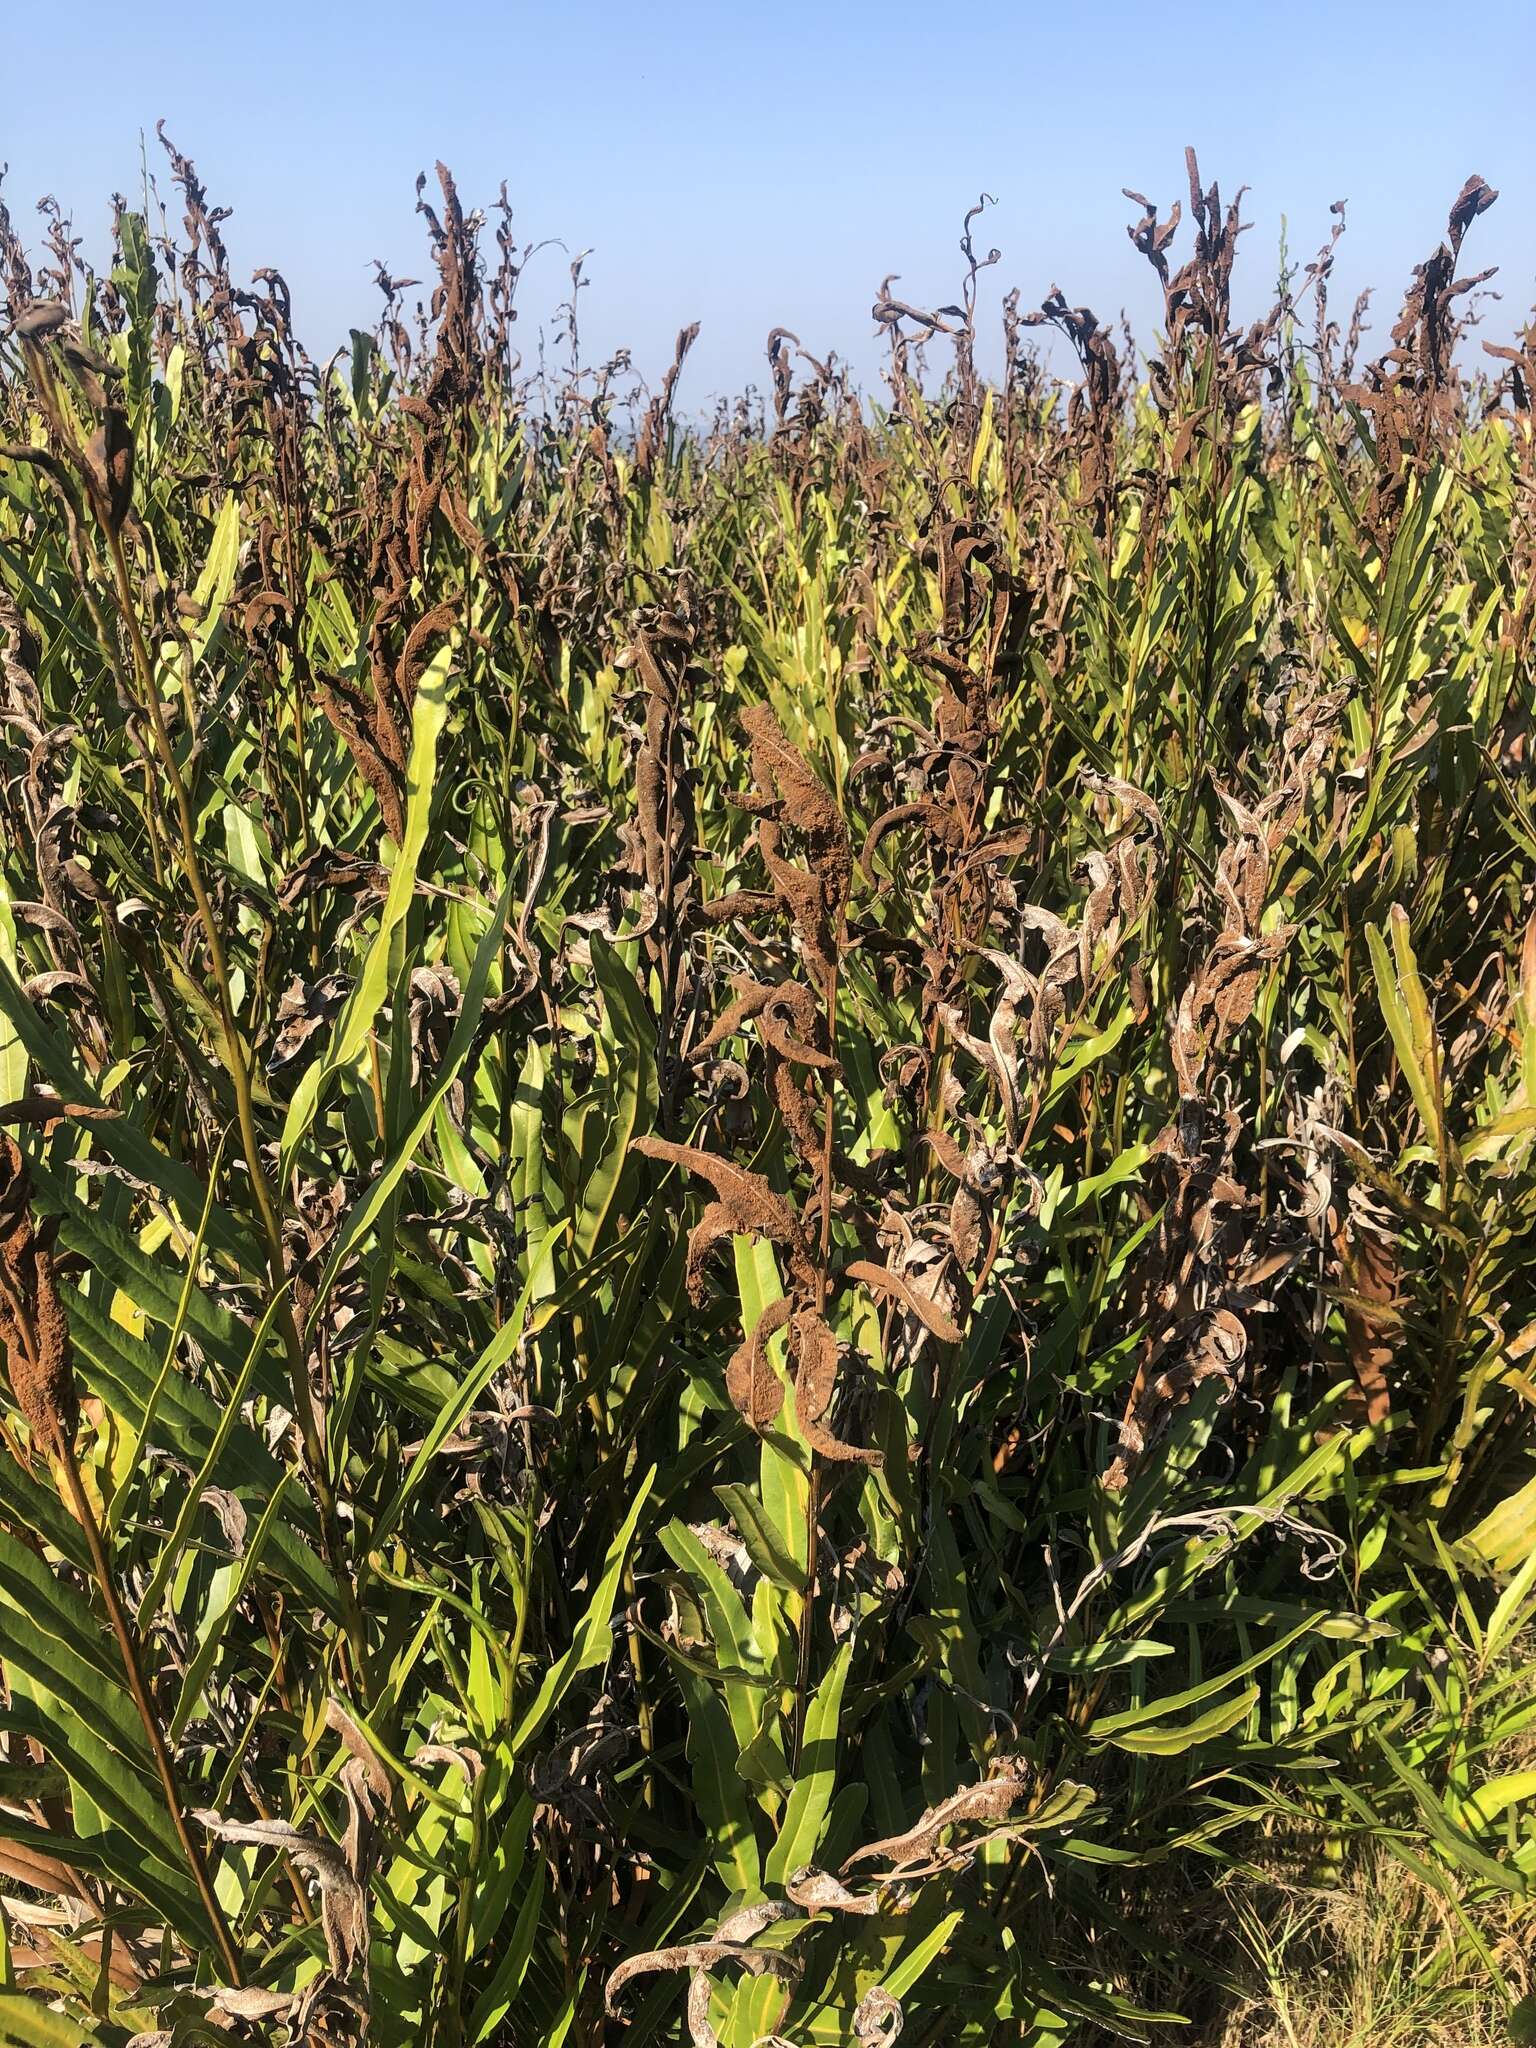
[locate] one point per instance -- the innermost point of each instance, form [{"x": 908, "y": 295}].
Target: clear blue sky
[{"x": 746, "y": 165}]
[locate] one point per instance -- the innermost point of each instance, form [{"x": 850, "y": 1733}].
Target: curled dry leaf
[
  {"x": 47, "y": 988},
  {"x": 881, "y": 1280},
  {"x": 755, "y": 1389},
  {"x": 818, "y": 1891},
  {"x": 557, "y": 1771},
  {"x": 41, "y": 1106},
  {"x": 791, "y": 793},
  {"x": 32, "y": 1322},
  {"x": 1218, "y": 1000},
  {"x": 940, "y": 828},
  {"x": 374, "y": 1770},
  {"x": 249, "y": 2002},
  {"x": 1371, "y": 1269},
  {"x": 1216, "y": 1352},
  {"x": 343, "y": 1903},
  {"x": 1132, "y": 799},
  {"x": 745, "y": 1205},
  {"x": 746, "y": 1004},
  {"x": 304, "y": 1010},
  {"x": 730, "y": 1944},
  {"x": 789, "y": 1021},
  {"x": 814, "y": 1351},
  {"x": 434, "y": 1004},
  {"x": 327, "y": 2011},
  {"x": 990, "y": 1801},
  {"x": 39, "y": 320},
  {"x": 878, "y": 2018},
  {"x": 460, "y": 1755},
  {"x": 232, "y": 1517},
  {"x": 698, "y": 1955}
]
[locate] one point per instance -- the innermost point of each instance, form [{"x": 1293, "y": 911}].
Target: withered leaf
[
  {"x": 878, "y": 2018},
  {"x": 819, "y": 1891},
  {"x": 343, "y": 1903},
  {"x": 814, "y": 1349},
  {"x": 992, "y": 1800},
  {"x": 746, "y": 1205},
  {"x": 755, "y": 1388},
  {"x": 881, "y": 1280},
  {"x": 703, "y": 1956}
]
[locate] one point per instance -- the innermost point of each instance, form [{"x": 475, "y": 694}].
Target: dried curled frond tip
[
  {"x": 731, "y": 1943},
  {"x": 878, "y": 2018},
  {"x": 32, "y": 1320},
  {"x": 818, "y": 1891},
  {"x": 791, "y": 793},
  {"x": 745, "y": 1205},
  {"x": 991, "y": 1801}
]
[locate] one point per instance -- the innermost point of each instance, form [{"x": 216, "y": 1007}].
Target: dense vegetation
[{"x": 766, "y": 1192}]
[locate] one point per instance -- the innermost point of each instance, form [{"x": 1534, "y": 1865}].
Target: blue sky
[{"x": 751, "y": 165}]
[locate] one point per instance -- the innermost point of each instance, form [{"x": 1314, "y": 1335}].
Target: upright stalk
[
  {"x": 165, "y": 1767},
  {"x": 240, "y": 1078}
]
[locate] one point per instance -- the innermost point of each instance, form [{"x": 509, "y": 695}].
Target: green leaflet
[
  {"x": 1085, "y": 1657},
  {"x": 46, "y": 1626},
  {"x": 193, "y": 1261},
  {"x": 1087, "y": 1053},
  {"x": 1506, "y": 1536},
  {"x": 1163, "y": 1738},
  {"x": 783, "y": 1459},
  {"x": 761, "y": 1538},
  {"x": 27, "y": 1502},
  {"x": 1494, "y": 1797},
  {"x": 388, "y": 1178},
  {"x": 212, "y": 1628},
  {"x": 628, "y": 1042},
  {"x": 1512, "y": 1613},
  {"x": 886, "y": 1950},
  {"x": 914, "y": 1963},
  {"x": 718, "y": 1789},
  {"x": 24, "y": 2023},
  {"x": 1462, "y": 1850},
  {"x": 84, "y": 1720},
  {"x": 1400, "y": 992},
  {"x": 805, "y": 1812},
  {"x": 130, "y": 1831},
  {"x": 591, "y": 1643},
  {"x": 125, "y": 1373},
  {"x": 495, "y": 1355},
  {"x": 729, "y": 1625},
  {"x": 156, "y": 1286},
  {"x": 495, "y": 2001},
  {"x": 171, "y": 1551},
  {"x": 13, "y": 1051},
  {"x": 1112, "y": 1725},
  {"x": 381, "y": 964},
  {"x": 210, "y": 594},
  {"x": 114, "y": 1137},
  {"x": 527, "y": 1139}
]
